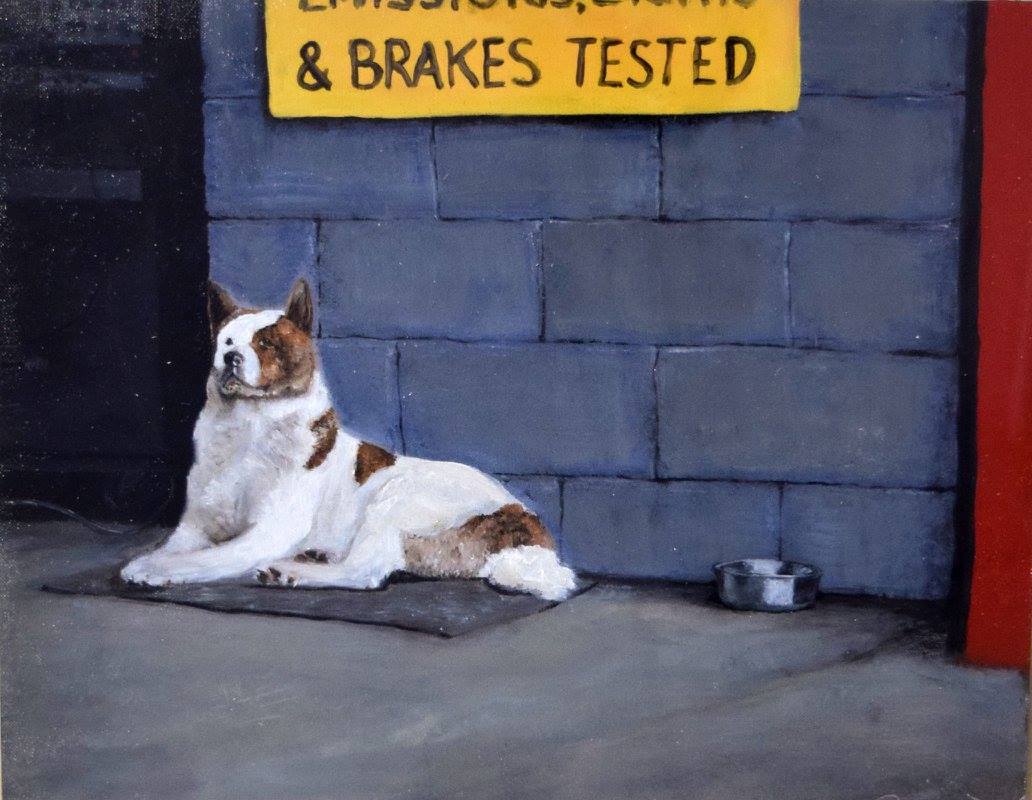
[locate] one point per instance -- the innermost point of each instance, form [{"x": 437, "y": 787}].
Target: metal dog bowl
[{"x": 767, "y": 584}]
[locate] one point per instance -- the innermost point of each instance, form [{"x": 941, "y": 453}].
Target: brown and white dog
[{"x": 279, "y": 491}]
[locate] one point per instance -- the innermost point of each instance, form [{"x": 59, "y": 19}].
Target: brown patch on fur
[
  {"x": 461, "y": 552},
  {"x": 325, "y": 430},
  {"x": 286, "y": 358},
  {"x": 370, "y": 459}
]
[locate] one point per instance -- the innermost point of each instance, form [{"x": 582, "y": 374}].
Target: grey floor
[{"x": 622, "y": 693}]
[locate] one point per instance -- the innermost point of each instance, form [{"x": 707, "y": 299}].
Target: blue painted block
[
  {"x": 459, "y": 280},
  {"x": 875, "y": 287},
  {"x": 233, "y": 46},
  {"x": 836, "y": 158},
  {"x": 542, "y": 496},
  {"x": 666, "y": 530},
  {"x": 535, "y": 408},
  {"x": 895, "y": 543},
  {"x": 258, "y": 166},
  {"x": 258, "y": 260},
  {"x": 693, "y": 283},
  {"x": 363, "y": 379},
  {"x": 775, "y": 414},
  {"x": 522, "y": 169},
  {"x": 880, "y": 47}
]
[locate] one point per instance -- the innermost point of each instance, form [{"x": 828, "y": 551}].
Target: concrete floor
[{"x": 622, "y": 693}]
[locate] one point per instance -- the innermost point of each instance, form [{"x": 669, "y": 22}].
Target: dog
[{"x": 282, "y": 494}]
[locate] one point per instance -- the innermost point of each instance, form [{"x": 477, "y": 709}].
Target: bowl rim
[{"x": 734, "y": 568}]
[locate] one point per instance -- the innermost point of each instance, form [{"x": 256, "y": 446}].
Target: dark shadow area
[
  {"x": 103, "y": 254},
  {"x": 967, "y": 335}
]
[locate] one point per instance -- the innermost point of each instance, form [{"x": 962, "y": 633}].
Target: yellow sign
[{"x": 435, "y": 58}]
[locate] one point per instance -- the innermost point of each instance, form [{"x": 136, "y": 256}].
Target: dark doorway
[{"x": 104, "y": 252}]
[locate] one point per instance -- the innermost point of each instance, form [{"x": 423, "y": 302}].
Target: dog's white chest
[{"x": 241, "y": 458}]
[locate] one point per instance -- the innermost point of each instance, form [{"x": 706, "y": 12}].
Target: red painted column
[{"x": 1001, "y": 590}]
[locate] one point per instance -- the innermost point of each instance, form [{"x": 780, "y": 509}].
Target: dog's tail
[{"x": 532, "y": 569}]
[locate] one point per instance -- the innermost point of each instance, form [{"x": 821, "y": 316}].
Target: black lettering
[
  {"x": 514, "y": 53},
  {"x": 392, "y": 64},
  {"x": 490, "y": 61},
  {"x": 305, "y": 5},
  {"x": 426, "y": 64},
  {"x": 698, "y": 62},
  {"x": 431, "y": 3},
  {"x": 670, "y": 43},
  {"x": 310, "y": 76},
  {"x": 607, "y": 62},
  {"x": 733, "y": 76},
  {"x": 645, "y": 65},
  {"x": 368, "y": 61},
  {"x": 582, "y": 45},
  {"x": 400, "y": 5},
  {"x": 457, "y": 58}
]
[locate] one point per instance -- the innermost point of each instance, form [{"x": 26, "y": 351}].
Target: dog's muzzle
[{"x": 230, "y": 377}]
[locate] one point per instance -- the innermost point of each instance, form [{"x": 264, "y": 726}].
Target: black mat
[{"x": 443, "y": 608}]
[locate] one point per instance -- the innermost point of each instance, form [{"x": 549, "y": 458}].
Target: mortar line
[
  {"x": 654, "y": 432},
  {"x": 562, "y": 505},
  {"x": 539, "y": 272},
  {"x": 397, "y": 389},
  {"x": 758, "y": 482},
  {"x": 662, "y": 170},
  {"x": 318, "y": 273},
  {"x": 885, "y": 222},
  {"x": 434, "y": 180},
  {"x": 624, "y": 345},
  {"x": 787, "y": 278},
  {"x": 781, "y": 521}
]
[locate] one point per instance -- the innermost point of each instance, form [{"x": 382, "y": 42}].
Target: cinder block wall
[{"x": 684, "y": 339}]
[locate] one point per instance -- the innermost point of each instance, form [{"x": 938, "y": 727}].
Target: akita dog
[{"x": 281, "y": 493}]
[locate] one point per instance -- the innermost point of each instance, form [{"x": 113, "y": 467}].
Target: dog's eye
[
  {"x": 263, "y": 343},
  {"x": 229, "y": 341}
]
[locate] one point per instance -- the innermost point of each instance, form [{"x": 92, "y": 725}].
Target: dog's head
[{"x": 261, "y": 353}]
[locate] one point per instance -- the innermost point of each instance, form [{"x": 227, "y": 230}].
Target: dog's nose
[{"x": 232, "y": 359}]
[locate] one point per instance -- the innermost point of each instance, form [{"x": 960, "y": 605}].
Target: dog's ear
[
  {"x": 221, "y": 306},
  {"x": 299, "y": 305}
]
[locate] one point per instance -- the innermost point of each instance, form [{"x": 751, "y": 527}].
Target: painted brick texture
[
  {"x": 256, "y": 166},
  {"x": 777, "y": 414},
  {"x": 463, "y": 280},
  {"x": 679, "y": 340},
  {"x": 674, "y": 530},
  {"x": 836, "y": 158},
  {"x": 257, "y": 260},
  {"x": 509, "y": 408},
  {"x": 657, "y": 283}
]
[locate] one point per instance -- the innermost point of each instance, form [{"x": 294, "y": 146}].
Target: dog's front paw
[
  {"x": 313, "y": 557},
  {"x": 275, "y": 576},
  {"x": 145, "y": 571}
]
